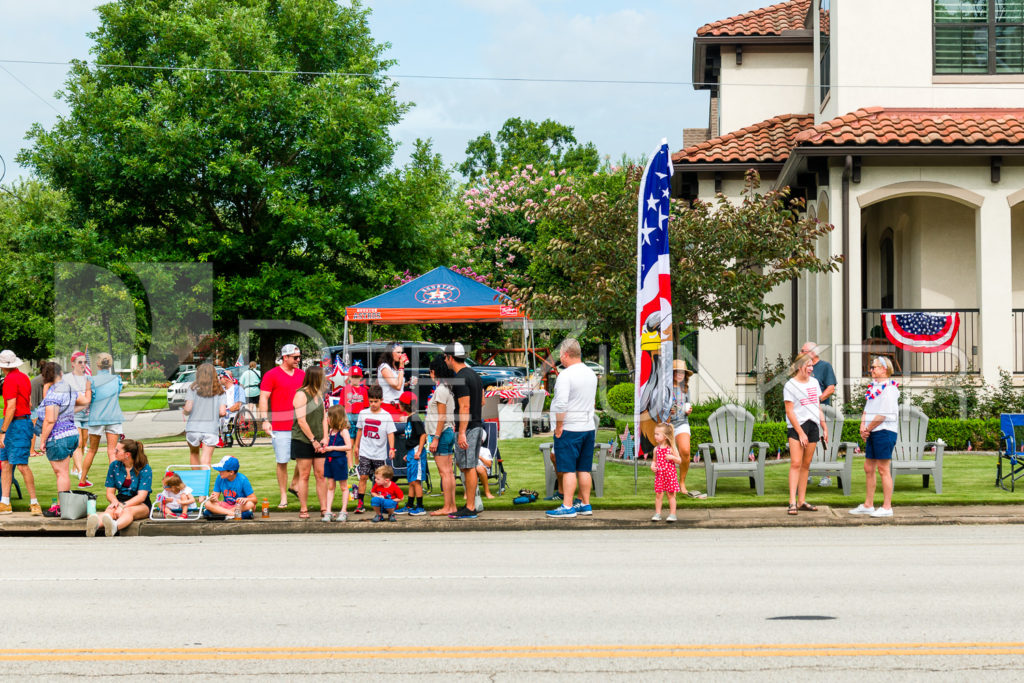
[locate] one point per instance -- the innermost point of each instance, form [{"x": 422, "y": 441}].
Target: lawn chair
[
  {"x": 601, "y": 453},
  {"x": 496, "y": 472},
  {"x": 198, "y": 481},
  {"x": 732, "y": 439},
  {"x": 536, "y": 419},
  {"x": 826, "y": 457},
  {"x": 911, "y": 448},
  {"x": 1009, "y": 423}
]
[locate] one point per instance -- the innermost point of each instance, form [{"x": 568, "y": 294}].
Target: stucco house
[{"x": 901, "y": 124}]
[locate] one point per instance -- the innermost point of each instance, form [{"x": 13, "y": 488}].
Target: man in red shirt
[
  {"x": 15, "y": 432},
  {"x": 277, "y": 391}
]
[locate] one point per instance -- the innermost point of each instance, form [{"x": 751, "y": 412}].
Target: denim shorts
[
  {"x": 17, "y": 442},
  {"x": 415, "y": 470},
  {"x": 61, "y": 449},
  {"x": 880, "y": 444},
  {"x": 574, "y": 451},
  {"x": 446, "y": 443},
  {"x": 385, "y": 504}
]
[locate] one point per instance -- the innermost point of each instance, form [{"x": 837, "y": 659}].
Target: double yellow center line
[{"x": 710, "y": 651}]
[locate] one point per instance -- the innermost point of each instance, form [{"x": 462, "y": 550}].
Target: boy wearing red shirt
[
  {"x": 385, "y": 494},
  {"x": 354, "y": 398}
]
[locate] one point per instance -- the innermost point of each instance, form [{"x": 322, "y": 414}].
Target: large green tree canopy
[
  {"x": 522, "y": 142},
  {"x": 249, "y": 134}
]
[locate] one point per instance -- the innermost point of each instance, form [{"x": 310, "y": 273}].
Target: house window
[
  {"x": 978, "y": 36},
  {"x": 825, "y": 57}
]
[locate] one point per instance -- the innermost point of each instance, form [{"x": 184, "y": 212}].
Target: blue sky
[{"x": 595, "y": 39}]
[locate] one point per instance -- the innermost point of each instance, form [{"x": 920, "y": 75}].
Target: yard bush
[
  {"x": 151, "y": 373},
  {"x": 620, "y": 398}
]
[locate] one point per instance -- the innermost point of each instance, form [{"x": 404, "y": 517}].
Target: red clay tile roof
[
  {"x": 766, "y": 142},
  {"x": 884, "y": 126},
  {"x": 767, "y": 21}
]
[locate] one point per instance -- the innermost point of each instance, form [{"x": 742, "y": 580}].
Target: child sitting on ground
[
  {"x": 483, "y": 464},
  {"x": 339, "y": 445},
  {"x": 415, "y": 455},
  {"x": 235, "y": 488},
  {"x": 385, "y": 494},
  {"x": 176, "y": 498}
]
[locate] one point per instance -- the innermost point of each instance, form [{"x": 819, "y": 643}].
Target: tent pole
[{"x": 344, "y": 345}]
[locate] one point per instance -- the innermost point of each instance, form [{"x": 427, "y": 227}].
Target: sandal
[
  {"x": 792, "y": 510},
  {"x": 807, "y": 507},
  {"x": 304, "y": 514},
  {"x": 697, "y": 494}
]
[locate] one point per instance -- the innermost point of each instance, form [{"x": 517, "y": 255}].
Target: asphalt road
[{"x": 880, "y": 603}]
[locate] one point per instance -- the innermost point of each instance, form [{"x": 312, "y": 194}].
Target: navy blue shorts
[
  {"x": 336, "y": 467},
  {"x": 17, "y": 442},
  {"x": 880, "y": 444},
  {"x": 574, "y": 451}
]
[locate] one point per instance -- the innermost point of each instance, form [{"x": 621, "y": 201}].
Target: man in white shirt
[{"x": 573, "y": 408}]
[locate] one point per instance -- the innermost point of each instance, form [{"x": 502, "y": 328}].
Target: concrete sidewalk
[{"x": 533, "y": 519}]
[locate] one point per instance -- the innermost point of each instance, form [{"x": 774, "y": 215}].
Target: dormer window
[{"x": 978, "y": 36}]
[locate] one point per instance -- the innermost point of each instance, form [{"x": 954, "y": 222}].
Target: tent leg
[{"x": 344, "y": 346}]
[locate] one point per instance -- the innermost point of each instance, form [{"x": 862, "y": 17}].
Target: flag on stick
[{"x": 653, "y": 393}]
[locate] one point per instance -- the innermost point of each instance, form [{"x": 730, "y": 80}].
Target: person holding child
[
  {"x": 805, "y": 424},
  {"x": 375, "y": 441},
  {"x": 235, "y": 488},
  {"x": 415, "y": 456},
  {"x": 176, "y": 498},
  {"x": 878, "y": 428},
  {"x": 385, "y": 494},
  {"x": 129, "y": 484},
  {"x": 339, "y": 445},
  {"x": 666, "y": 478},
  {"x": 308, "y": 429}
]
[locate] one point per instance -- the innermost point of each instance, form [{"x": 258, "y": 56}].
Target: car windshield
[{"x": 187, "y": 377}]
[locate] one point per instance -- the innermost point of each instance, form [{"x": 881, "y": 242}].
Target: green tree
[
  {"x": 263, "y": 175},
  {"x": 522, "y": 142}
]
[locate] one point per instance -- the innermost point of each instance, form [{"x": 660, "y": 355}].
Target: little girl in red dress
[{"x": 666, "y": 478}]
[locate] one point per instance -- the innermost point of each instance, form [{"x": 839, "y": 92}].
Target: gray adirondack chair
[
  {"x": 602, "y": 452},
  {"x": 732, "y": 438},
  {"x": 826, "y": 459},
  {"x": 912, "y": 454}
]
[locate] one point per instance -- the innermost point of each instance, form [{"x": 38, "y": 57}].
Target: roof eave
[{"x": 742, "y": 166}]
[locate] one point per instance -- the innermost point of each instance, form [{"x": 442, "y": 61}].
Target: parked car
[{"x": 420, "y": 356}]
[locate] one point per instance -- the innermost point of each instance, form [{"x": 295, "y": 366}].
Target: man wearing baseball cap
[
  {"x": 16, "y": 432},
  {"x": 469, "y": 426},
  {"x": 277, "y": 392},
  {"x": 234, "y": 487}
]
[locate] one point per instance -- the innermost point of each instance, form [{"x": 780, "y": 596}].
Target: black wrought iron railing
[
  {"x": 749, "y": 351},
  {"x": 960, "y": 356}
]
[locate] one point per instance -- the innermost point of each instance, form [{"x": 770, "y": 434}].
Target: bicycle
[{"x": 241, "y": 429}]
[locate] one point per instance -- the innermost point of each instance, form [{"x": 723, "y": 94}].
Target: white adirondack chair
[
  {"x": 732, "y": 438},
  {"x": 826, "y": 459},
  {"x": 912, "y": 454}
]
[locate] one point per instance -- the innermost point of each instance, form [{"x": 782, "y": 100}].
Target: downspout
[{"x": 847, "y": 171}]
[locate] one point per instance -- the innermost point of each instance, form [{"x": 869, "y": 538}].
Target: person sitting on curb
[
  {"x": 236, "y": 489},
  {"x": 129, "y": 483},
  {"x": 385, "y": 494}
]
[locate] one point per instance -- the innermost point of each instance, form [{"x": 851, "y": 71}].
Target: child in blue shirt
[{"x": 235, "y": 488}]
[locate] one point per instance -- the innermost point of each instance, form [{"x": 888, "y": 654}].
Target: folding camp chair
[
  {"x": 496, "y": 472},
  {"x": 1011, "y": 454},
  {"x": 198, "y": 481}
]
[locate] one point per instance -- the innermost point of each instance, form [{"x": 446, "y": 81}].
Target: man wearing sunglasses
[{"x": 277, "y": 391}]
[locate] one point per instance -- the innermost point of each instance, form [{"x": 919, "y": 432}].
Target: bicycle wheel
[{"x": 245, "y": 428}]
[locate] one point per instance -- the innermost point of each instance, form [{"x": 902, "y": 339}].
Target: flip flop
[
  {"x": 293, "y": 492},
  {"x": 697, "y": 494},
  {"x": 304, "y": 514},
  {"x": 283, "y": 506}
]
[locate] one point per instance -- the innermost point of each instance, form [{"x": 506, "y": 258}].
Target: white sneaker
[
  {"x": 341, "y": 517},
  {"x": 109, "y": 526},
  {"x": 862, "y": 510},
  {"x": 327, "y": 517},
  {"x": 656, "y": 518},
  {"x": 91, "y": 524},
  {"x": 75, "y": 473},
  {"x": 825, "y": 481},
  {"x": 670, "y": 518},
  {"x": 882, "y": 512}
]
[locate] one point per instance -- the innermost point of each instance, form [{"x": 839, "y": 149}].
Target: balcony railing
[
  {"x": 961, "y": 356},
  {"x": 749, "y": 350}
]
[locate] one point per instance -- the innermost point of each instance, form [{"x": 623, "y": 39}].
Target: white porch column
[
  {"x": 994, "y": 267},
  {"x": 717, "y": 372},
  {"x": 851, "y": 376}
]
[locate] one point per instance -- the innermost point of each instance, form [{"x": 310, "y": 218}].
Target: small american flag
[
  {"x": 88, "y": 362},
  {"x": 491, "y": 362},
  {"x": 238, "y": 363}
]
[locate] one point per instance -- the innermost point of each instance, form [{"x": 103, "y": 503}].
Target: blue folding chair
[{"x": 197, "y": 480}]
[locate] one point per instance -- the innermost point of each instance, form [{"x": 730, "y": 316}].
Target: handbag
[{"x": 73, "y": 504}]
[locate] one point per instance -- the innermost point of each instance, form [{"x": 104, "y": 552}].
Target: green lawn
[
  {"x": 153, "y": 398},
  {"x": 968, "y": 479}
]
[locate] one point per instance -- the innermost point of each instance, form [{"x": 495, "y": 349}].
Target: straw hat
[{"x": 681, "y": 365}]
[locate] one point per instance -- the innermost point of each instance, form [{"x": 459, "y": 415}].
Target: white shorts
[
  {"x": 201, "y": 439},
  {"x": 681, "y": 429},
  {"x": 100, "y": 430},
  {"x": 282, "y": 446}
]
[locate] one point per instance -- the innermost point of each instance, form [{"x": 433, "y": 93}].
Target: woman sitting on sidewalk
[{"x": 129, "y": 483}]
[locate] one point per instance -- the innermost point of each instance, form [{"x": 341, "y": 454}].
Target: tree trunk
[{"x": 627, "y": 351}]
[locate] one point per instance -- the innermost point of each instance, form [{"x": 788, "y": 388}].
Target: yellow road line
[{"x": 522, "y": 652}]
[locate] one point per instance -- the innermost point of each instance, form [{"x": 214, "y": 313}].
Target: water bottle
[
  {"x": 266, "y": 509},
  {"x": 90, "y": 506},
  {"x": 479, "y": 501},
  {"x": 238, "y": 512}
]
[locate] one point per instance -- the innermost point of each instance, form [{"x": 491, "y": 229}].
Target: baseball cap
[
  {"x": 289, "y": 350},
  {"x": 355, "y": 371},
  {"x": 227, "y": 464},
  {"x": 456, "y": 350},
  {"x": 407, "y": 398}
]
